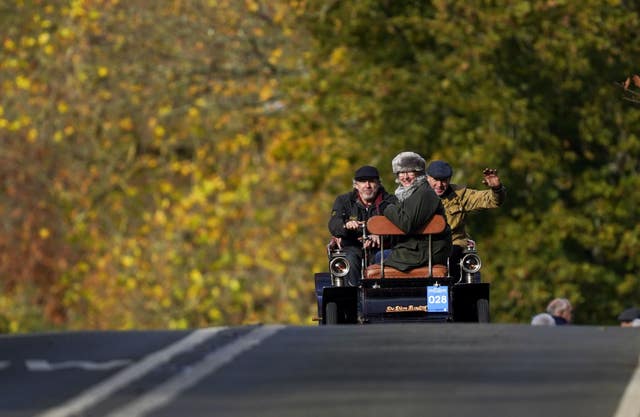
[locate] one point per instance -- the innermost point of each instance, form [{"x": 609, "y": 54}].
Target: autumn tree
[{"x": 164, "y": 179}]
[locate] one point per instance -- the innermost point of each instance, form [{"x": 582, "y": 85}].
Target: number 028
[{"x": 437, "y": 299}]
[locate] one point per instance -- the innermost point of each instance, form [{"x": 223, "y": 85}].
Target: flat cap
[
  {"x": 366, "y": 172},
  {"x": 439, "y": 170},
  {"x": 629, "y": 314}
]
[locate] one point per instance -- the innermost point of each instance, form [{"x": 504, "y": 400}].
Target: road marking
[
  {"x": 630, "y": 403},
  {"x": 4, "y": 364},
  {"x": 170, "y": 389},
  {"x": 39, "y": 365},
  {"x": 97, "y": 393}
]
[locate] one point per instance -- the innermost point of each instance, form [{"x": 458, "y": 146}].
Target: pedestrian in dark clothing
[
  {"x": 349, "y": 215},
  {"x": 417, "y": 204}
]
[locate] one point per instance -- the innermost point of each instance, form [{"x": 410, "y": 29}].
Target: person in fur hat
[
  {"x": 350, "y": 211},
  {"x": 417, "y": 204}
]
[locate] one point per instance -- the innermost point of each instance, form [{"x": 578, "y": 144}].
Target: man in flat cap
[
  {"x": 459, "y": 200},
  {"x": 349, "y": 214}
]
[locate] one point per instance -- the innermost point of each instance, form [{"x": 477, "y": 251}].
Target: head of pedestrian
[
  {"x": 439, "y": 176},
  {"x": 366, "y": 181},
  {"x": 561, "y": 310},
  {"x": 407, "y": 166},
  {"x": 629, "y": 317}
]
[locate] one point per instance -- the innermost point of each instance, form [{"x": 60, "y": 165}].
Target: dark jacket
[
  {"x": 411, "y": 215},
  {"x": 349, "y": 207}
]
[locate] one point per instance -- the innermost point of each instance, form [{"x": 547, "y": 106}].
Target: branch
[{"x": 630, "y": 87}]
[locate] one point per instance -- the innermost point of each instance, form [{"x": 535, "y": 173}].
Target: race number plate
[{"x": 437, "y": 298}]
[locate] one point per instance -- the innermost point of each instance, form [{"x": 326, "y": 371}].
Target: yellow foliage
[
  {"x": 15, "y": 125},
  {"x": 131, "y": 283},
  {"x": 178, "y": 324},
  {"x": 76, "y": 8},
  {"x": 244, "y": 260},
  {"x": 286, "y": 255},
  {"x": 127, "y": 261},
  {"x": 193, "y": 113},
  {"x": 23, "y": 82},
  {"x": 126, "y": 124},
  {"x": 44, "y": 38},
  {"x": 338, "y": 56},
  {"x": 234, "y": 285},
  {"x": 252, "y": 5},
  {"x": 28, "y": 41},
  {"x": 266, "y": 92},
  {"x": 172, "y": 179},
  {"x": 160, "y": 217},
  {"x": 9, "y": 44},
  {"x": 65, "y": 33},
  {"x": 275, "y": 56},
  {"x": 214, "y": 315},
  {"x": 62, "y": 107},
  {"x": 165, "y": 110},
  {"x": 196, "y": 277},
  {"x": 32, "y": 135}
]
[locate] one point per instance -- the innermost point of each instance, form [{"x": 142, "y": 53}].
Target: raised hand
[{"x": 491, "y": 178}]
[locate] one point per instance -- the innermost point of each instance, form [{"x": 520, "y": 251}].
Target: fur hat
[{"x": 408, "y": 162}]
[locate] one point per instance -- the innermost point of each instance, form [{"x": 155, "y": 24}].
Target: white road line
[
  {"x": 630, "y": 403},
  {"x": 4, "y": 364},
  {"x": 107, "y": 387},
  {"x": 40, "y": 365},
  {"x": 169, "y": 390}
]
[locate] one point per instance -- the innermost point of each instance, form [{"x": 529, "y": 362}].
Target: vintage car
[{"x": 385, "y": 294}]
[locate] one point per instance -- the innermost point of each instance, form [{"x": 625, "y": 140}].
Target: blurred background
[{"x": 172, "y": 164}]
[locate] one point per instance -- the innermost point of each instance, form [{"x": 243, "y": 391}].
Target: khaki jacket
[{"x": 460, "y": 200}]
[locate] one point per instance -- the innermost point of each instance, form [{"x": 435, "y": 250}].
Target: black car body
[{"x": 411, "y": 298}]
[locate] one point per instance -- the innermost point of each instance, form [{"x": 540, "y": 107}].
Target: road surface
[{"x": 373, "y": 370}]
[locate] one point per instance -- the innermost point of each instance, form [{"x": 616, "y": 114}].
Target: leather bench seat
[{"x": 375, "y": 272}]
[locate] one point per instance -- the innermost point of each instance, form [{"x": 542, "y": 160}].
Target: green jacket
[
  {"x": 412, "y": 251},
  {"x": 460, "y": 200}
]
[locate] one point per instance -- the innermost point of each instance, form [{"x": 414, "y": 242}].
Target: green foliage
[
  {"x": 172, "y": 164},
  {"x": 530, "y": 89}
]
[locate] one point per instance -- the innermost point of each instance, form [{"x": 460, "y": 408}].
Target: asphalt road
[{"x": 373, "y": 370}]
